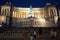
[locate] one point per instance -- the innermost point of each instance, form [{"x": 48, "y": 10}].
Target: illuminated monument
[{"x": 41, "y": 17}]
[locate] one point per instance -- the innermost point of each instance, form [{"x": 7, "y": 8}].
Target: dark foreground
[{"x": 25, "y": 33}]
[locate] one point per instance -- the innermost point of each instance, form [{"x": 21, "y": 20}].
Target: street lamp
[{"x": 10, "y": 18}]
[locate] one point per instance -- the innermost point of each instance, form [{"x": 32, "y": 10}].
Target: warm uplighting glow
[
  {"x": 42, "y": 20},
  {"x": 20, "y": 14},
  {"x": 27, "y": 12},
  {"x": 2, "y": 18},
  {"x": 56, "y": 19}
]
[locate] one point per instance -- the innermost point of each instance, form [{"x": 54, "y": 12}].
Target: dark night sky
[{"x": 27, "y": 3}]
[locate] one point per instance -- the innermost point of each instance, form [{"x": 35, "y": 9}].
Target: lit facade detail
[
  {"x": 25, "y": 13},
  {"x": 5, "y": 10},
  {"x": 2, "y": 19}
]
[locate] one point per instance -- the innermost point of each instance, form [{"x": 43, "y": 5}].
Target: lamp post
[{"x": 10, "y": 18}]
